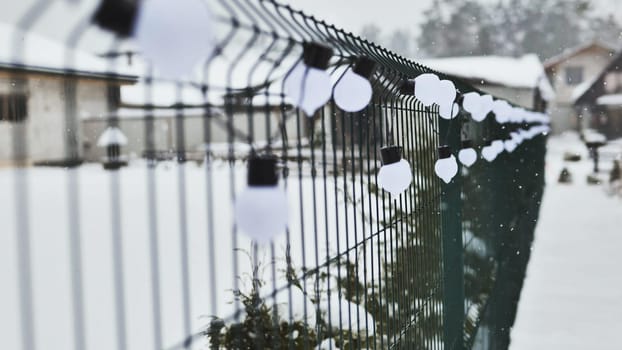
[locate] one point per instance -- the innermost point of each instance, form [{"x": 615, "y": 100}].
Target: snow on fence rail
[{"x": 146, "y": 254}]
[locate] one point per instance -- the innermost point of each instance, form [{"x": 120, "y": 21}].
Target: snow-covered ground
[
  {"x": 49, "y": 223},
  {"x": 572, "y": 297}
]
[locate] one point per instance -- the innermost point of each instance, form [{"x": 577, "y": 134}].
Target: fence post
[{"x": 451, "y": 230}]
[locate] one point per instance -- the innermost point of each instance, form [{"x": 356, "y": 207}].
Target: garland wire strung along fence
[{"x": 438, "y": 267}]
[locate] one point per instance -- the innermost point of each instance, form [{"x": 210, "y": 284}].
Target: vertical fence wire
[
  {"x": 19, "y": 147},
  {"x": 152, "y": 226}
]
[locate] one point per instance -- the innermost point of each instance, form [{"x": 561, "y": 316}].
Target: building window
[
  {"x": 13, "y": 107},
  {"x": 574, "y": 75}
]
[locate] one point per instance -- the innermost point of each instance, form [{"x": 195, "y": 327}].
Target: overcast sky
[{"x": 352, "y": 15}]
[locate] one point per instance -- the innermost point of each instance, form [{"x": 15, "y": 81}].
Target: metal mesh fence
[{"x": 148, "y": 256}]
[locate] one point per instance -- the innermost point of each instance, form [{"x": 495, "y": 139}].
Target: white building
[
  {"x": 572, "y": 72},
  {"x": 44, "y": 88}
]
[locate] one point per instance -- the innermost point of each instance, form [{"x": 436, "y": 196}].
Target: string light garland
[
  {"x": 430, "y": 90},
  {"x": 308, "y": 85}
]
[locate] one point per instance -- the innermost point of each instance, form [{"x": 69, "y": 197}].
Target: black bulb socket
[
  {"x": 467, "y": 144},
  {"x": 364, "y": 67},
  {"x": 316, "y": 55},
  {"x": 460, "y": 98},
  {"x": 391, "y": 154},
  {"x": 262, "y": 171},
  {"x": 444, "y": 152},
  {"x": 117, "y": 16},
  {"x": 408, "y": 88}
]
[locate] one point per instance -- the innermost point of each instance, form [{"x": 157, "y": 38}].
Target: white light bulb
[
  {"x": 261, "y": 209},
  {"x": 510, "y": 145},
  {"x": 426, "y": 88},
  {"x": 518, "y": 115},
  {"x": 352, "y": 92},
  {"x": 478, "y": 106},
  {"x": 489, "y": 153},
  {"x": 171, "y": 44},
  {"x": 446, "y": 94},
  {"x": 498, "y": 146},
  {"x": 502, "y": 110},
  {"x": 309, "y": 88},
  {"x": 486, "y": 104},
  {"x": 467, "y": 156},
  {"x": 261, "y": 212},
  {"x": 524, "y": 134},
  {"x": 471, "y": 103},
  {"x": 446, "y": 168},
  {"x": 448, "y": 111},
  {"x": 396, "y": 177}
]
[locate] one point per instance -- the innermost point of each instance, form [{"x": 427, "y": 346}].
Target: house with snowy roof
[
  {"x": 599, "y": 104},
  {"x": 520, "y": 80},
  {"x": 571, "y": 73},
  {"x": 177, "y": 119},
  {"x": 44, "y": 88}
]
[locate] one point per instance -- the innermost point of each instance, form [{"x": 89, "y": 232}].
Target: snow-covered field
[
  {"x": 48, "y": 216},
  {"x": 572, "y": 298}
]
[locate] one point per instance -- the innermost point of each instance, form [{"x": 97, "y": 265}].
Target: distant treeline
[{"x": 508, "y": 27}]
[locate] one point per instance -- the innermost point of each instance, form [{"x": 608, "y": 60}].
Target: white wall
[
  {"x": 563, "y": 118},
  {"x": 593, "y": 62},
  {"x": 47, "y": 122},
  {"x": 563, "y": 114}
]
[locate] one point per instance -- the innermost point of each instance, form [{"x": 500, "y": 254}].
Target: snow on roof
[
  {"x": 610, "y": 100},
  {"x": 570, "y": 52},
  {"x": 582, "y": 88},
  {"x": 522, "y": 72},
  {"x": 32, "y": 52}
]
